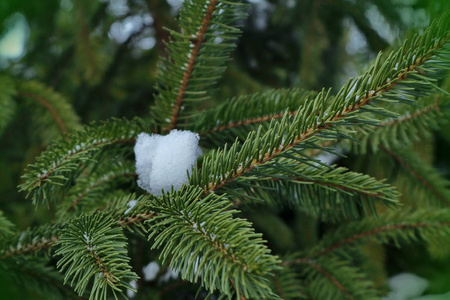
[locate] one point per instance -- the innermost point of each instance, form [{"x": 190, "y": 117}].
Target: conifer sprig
[
  {"x": 403, "y": 130},
  {"x": 93, "y": 249},
  {"x": 204, "y": 241},
  {"x": 7, "y": 103},
  {"x": 30, "y": 241},
  {"x": 52, "y": 170},
  {"x": 399, "y": 227},
  {"x": 333, "y": 277},
  {"x": 424, "y": 181},
  {"x": 90, "y": 190},
  {"x": 331, "y": 194},
  {"x": 247, "y": 112},
  {"x": 35, "y": 275},
  {"x": 197, "y": 58},
  {"x": 401, "y": 78},
  {"x": 55, "y": 115}
]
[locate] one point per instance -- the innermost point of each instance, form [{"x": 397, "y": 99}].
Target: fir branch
[
  {"x": 405, "y": 226},
  {"x": 408, "y": 127},
  {"x": 332, "y": 194},
  {"x": 92, "y": 248},
  {"x": 30, "y": 240},
  {"x": 427, "y": 177},
  {"x": 197, "y": 41},
  {"x": 6, "y": 226},
  {"x": 52, "y": 169},
  {"x": 340, "y": 279},
  {"x": 288, "y": 285},
  {"x": 203, "y": 240},
  {"x": 204, "y": 45},
  {"x": 34, "y": 275},
  {"x": 32, "y": 247},
  {"x": 91, "y": 188},
  {"x": 50, "y": 109},
  {"x": 248, "y": 110},
  {"x": 62, "y": 127},
  {"x": 330, "y": 277},
  {"x": 315, "y": 121},
  {"x": 7, "y": 103}
]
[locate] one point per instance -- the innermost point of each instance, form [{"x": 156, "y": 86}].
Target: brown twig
[{"x": 30, "y": 248}]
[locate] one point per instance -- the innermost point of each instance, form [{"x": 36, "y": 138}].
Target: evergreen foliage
[{"x": 260, "y": 158}]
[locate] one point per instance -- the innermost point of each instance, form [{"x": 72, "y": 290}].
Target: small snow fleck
[
  {"x": 130, "y": 205},
  {"x": 168, "y": 275},
  {"x": 406, "y": 286},
  {"x": 130, "y": 293},
  {"x": 150, "y": 271},
  {"x": 162, "y": 161},
  {"x": 396, "y": 67}
]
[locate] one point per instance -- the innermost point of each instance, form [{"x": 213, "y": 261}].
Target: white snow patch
[
  {"x": 130, "y": 205},
  {"x": 168, "y": 275},
  {"x": 163, "y": 162},
  {"x": 406, "y": 286},
  {"x": 130, "y": 293},
  {"x": 150, "y": 271}
]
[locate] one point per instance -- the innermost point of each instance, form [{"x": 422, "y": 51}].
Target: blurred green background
[{"x": 102, "y": 56}]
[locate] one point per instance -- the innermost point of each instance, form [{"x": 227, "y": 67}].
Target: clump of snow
[
  {"x": 406, "y": 286},
  {"x": 170, "y": 274},
  {"x": 130, "y": 205},
  {"x": 162, "y": 162},
  {"x": 130, "y": 293},
  {"x": 150, "y": 271}
]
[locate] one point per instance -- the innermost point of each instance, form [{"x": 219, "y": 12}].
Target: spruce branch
[
  {"x": 410, "y": 124},
  {"x": 425, "y": 177},
  {"x": 90, "y": 189},
  {"x": 62, "y": 127},
  {"x": 197, "y": 41},
  {"x": 92, "y": 248},
  {"x": 248, "y": 110},
  {"x": 314, "y": 121},
  {"x": 52, "y": 170},
  {"x": 30, "y": 248},
  {"x": 35, "y": 274},
  {"x": 431, "y": 226},
  {"x": 204, "y": 241},
  {"x": 6, "y": 226},
  {"x": 331, "y": 194},
  {"x": 203, "y": 45},
  {"x": 7, "y": 103},
  {"x": 288, "y": 284},
  {"x": 50, "y": 108},
  {"x": 331, "y": 277}
]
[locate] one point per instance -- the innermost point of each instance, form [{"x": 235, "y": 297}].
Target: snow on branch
[{"x": 163, "y": 162}]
